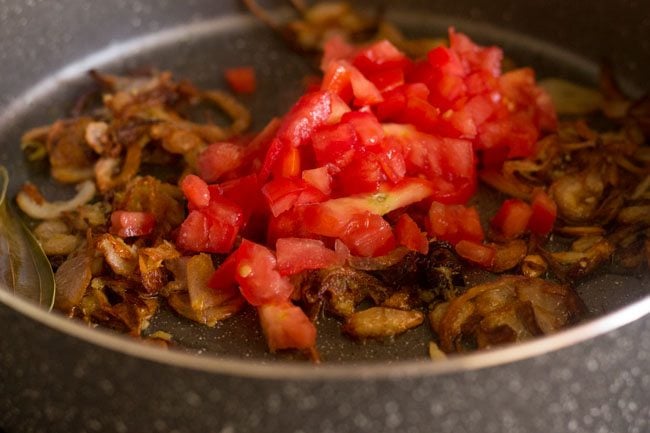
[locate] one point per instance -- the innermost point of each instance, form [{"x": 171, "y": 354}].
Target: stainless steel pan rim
[{"x": 296, "y": 371}]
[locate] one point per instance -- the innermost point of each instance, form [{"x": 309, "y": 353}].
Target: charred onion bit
[{"x": 508, "y": 310}]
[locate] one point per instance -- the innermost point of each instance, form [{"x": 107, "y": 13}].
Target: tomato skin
[
  {"x": 512, "y": 218},
  {"x": 454, "y": 223},
  {"x": 308, "y": 114},
  {"x": 241, "y": 79},
  {"x": 544, "y": 214},
  {"x": 223, "y": 278},
  {"x": 409, "y": 235},
  {"x": 127, "y": 224},
  {"x": 475, "y": 252},
  {"x": 257, "y": 275},
  {"x": 286, "y": 326},
  {"x": 295, "y": 255}
]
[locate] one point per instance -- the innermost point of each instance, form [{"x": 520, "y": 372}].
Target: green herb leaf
[{"x": 24, "y": 267}]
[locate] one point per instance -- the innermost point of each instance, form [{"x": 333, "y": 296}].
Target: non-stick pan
[{"x": 57, "y": 375}]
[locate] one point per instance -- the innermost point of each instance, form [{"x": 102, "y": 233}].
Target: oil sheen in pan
[{"x": 200, "y": 52}]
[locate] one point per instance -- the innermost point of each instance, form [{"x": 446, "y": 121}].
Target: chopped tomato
[
  {"x": 454, "y": 223},
  {"x": 242, "y": 79},
  {"x": 127, "y": 224},
  {"x": 294, "y": 255},
  {"x": 196, "y": 191},
  {"x": 367, "y": 127},
  {"x": 282, "y": 193},
  {"x": 258, "y": 277},
  {"x": 408, "y": 234},
  {"x": 511, "y": 221},
  {"x": 310, "y": 112},
  {"x": 219, "y": 159},
  {"x": 544, "y": 213},
  {"x": 368, "y": 235},
  {"x": 223, "y": 278},
  {"x": 475, "y": 252},
  {"x": 193, "y": 233},
  {"x": 449, "y": 163},
  {"x": 286, "y": 326},
  {"x": 346, "y": 81},
  {"x": 334, "y": 144},
  {"x": 319, "y": 178},
  {"x": 331, "y": 218}
]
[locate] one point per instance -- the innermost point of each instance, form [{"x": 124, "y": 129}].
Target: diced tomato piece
[
  {"x": 392, "y": 161},
  {"x": 273, "y": 154},
  {"x": 386, "y": 79},
  {"x": 219, "y": 159},
  {"x": 454, "y": 223},
  {"x": 511, "y": 220},
  {"x": 127, "y": 224},
  {"x": 367, "y": 127},
  {"x": 242, "y": 79},
  {"x": 544, "y": 213},
  {"x": 408, "y": 234},
  {"x": 287, "y": 225},
  {"x": 368, "y": 235},
  {"x": 447, "y": 162},
  {"x": 258, "y": 277},
  {"x": 380, "y": 55},
  {"x": 364, "y": 174},
  {"x": 341, "y": 77},
  {"x": 475, "y": 57},
  {"x": 223, "y": 278},
  {"x": 286, "y": 326},
  {"x": 294, "y": 255},
  {"x": 193, "y": 232},
  {"x": 339, "y": 108},
  {"x": 196, "y": 191},
  {"x": 308, "y": 114},
  {"x": 245, "y": 192},
  {"x": 282, "y": 193},
  {"x": 309, "y": 195},
  {"x": 336, "y": 48},
  {"x": 446, "y": 61},
  {"x": 331, "y": 218},
  {"x": 475, "y": 252},
  {"x": 392, "y": 106},
  {"x": 319, "y": 178},
  {"x": 334, "y": 144}
]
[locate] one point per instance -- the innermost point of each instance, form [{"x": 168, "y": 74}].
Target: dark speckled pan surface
[{"x": 56, "y": 376}]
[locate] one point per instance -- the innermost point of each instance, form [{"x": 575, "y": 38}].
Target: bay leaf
[{"x": 24, "y": 267}]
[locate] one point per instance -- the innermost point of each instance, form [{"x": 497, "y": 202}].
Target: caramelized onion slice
[{"x": 38, "y": 208}]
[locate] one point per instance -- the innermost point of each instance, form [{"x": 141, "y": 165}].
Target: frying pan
[{"x": 59, "y": 376}]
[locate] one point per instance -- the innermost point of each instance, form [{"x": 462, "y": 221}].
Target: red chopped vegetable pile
[{"x": 383, "y": 154}]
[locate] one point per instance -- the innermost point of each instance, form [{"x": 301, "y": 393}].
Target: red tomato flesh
[
  {"x": 454, "y": 223},
  {"x": 512, "y": 218},
  {"x": 242, "y": 79},
  {"x": 409, "y": 235},
  {"x": 258, "y": 277},
  {"x": 544, "y": 214},
  {"x": 127, "y": 224},
  {"x": 286, "y": 326},
  {"x": 294, "y": 255}
]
